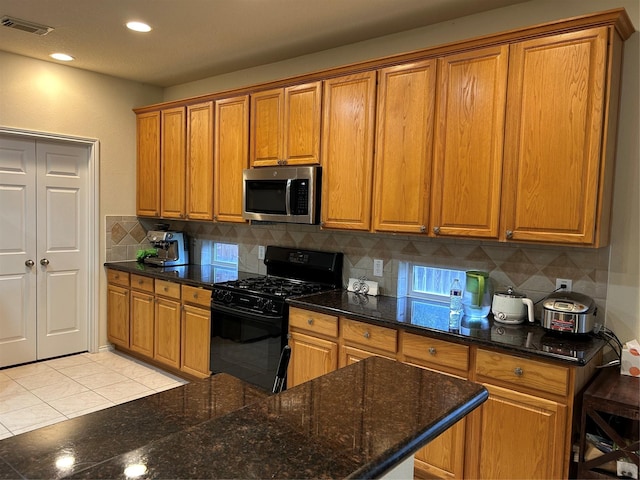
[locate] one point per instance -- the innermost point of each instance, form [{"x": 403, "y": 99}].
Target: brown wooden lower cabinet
[
  {"x": 160, "y": 321},
  {"x": 524, "y": 430}
]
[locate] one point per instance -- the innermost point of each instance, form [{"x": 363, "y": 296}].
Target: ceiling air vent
[{"x": 25, "y": 26}]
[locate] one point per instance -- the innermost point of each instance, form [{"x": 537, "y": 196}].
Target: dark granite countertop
[
  {"x": 195, "y": 275},
  {"x": 416, "y": 315},
  {"x": 357, "y": 422},
  {"x": 432, "y": 319}
]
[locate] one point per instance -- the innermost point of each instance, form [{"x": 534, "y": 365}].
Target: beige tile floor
[{"x": 44, "y": 393}]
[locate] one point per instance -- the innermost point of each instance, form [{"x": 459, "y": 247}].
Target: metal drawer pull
[
  {"x": 166, "y": 289},
  {"x": 432, "y": 350},
  {"x": 367, "y": 335},
  {"x": 195, "y": 295},
  {"x": 310, "y": 321},
  {"x": 518, "y": 371}
]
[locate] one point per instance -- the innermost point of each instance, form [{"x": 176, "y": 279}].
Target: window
[
  {"x": 224, "y": 257},
  {"x": 432, "y": 282}
]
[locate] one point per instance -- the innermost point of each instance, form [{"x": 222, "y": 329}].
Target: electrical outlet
[
  {"x": 261, "y": 252},
  {"x": 568, "y": 284},
  {"x": 378, "y": 267}
]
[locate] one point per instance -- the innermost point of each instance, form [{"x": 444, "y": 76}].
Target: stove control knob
[
  {"x": 268, "y": 304},
  {"x": 227, "y": 297}
]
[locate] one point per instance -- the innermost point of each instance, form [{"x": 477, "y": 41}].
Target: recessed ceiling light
[
  {"x": 62, "y": 56},
  {"x": 138, "y": 27}
]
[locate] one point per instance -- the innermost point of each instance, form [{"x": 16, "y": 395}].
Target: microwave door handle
[{"x": 288, "y": 197}]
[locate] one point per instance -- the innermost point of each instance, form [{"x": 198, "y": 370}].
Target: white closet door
[
  {"x": 62, "y": 213},
  {"x": 17, "y": 251}
]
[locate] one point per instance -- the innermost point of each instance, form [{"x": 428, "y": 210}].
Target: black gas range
[{"x": 249, "y": 316}]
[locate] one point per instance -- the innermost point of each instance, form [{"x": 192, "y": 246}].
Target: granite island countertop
[
  {"x": 432, "y": 319},
  {"x": 359, "y": 421}
]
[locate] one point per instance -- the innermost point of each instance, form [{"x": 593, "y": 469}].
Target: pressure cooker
[{"x": 569, "y": 312}]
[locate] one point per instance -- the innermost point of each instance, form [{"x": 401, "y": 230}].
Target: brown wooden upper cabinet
[
  {"x": 148, "y": 164},
  {"x": 554, "y": 186},
  {"x": 175, "y": 162},
  {"x": 467, "y": 164},
  {"x": 231, "y": 156},
  {"x": 200, "y": 161},
  {"x": 404, "y": 133},
  {"x": 347, "y": 151},
  {"x": 173, "y": 157},
  {"x": 285, "y": 126}
]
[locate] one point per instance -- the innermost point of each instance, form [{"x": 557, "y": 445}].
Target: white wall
[
  {"x": 47, "y": 97},
  {"x": 623, "y": 293}
]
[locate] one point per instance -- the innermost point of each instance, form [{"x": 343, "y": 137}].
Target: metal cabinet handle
[
  {"x": 310, "y": 321},
  {"x": 195, "y": 295},
  {"x": 518, "y": 371},
  {"x": 31, "y": 263},
  {"x": 166, "y": 289},
  {"x": 509, "y": 234},
  {"x": 432, "y": 350},
  {"x": 423, "y": 229},
  {"x": 367, "y": 335},
  {"x": 44, "y": 262},
  {"x": 436, "y": 230}
]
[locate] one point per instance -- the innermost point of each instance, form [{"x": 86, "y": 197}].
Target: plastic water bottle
[{"x": 455, "y": 305}]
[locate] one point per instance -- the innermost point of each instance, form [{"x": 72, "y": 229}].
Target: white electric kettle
[{"x": 511, "y": 307}]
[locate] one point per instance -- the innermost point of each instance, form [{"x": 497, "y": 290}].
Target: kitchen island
[{"x": 357, "y": 422}]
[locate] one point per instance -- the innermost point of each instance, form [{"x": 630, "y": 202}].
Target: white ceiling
[{"x": 195, "y": 39}]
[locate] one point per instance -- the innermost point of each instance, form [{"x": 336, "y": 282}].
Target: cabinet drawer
[
  {"x": 117, "y": 277},
  {"x": 522, "y": 372},
  {"x": 315, "y": 322},
  {"x": 168, "y": 289},
  {"x": 370, "y": 335},
  {"x": 434, "y": 352},
  {"x": 140, "y": 282},
  {"x": 196, "y": 296}
]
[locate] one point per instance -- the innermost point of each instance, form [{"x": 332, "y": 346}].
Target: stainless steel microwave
[{"x": 282, "y": 194}]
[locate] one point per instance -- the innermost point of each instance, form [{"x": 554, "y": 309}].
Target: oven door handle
[{"x": 245, "y": 313}]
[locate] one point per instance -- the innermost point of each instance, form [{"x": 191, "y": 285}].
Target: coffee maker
[{"x": 171, "y": 248}]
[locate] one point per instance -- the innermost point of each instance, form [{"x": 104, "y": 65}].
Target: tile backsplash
[{"x": 530, "y": 269}]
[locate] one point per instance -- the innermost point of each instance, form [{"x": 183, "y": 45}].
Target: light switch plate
[{"x": 261, "y": 252}]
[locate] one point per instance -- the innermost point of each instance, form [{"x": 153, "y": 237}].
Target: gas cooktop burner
[{"x": 280, "y": 287}]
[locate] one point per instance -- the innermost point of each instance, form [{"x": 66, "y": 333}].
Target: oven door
[{"x": 246, "y": 344}]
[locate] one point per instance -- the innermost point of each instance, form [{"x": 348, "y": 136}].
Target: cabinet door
[
  {"x": 302, "y": 116},
  {"x": 311, "y": 357},
  {"x": 196, "y": 338},
  {"x": 231, "y": 157},
  {"x": 142, "y": 323},
  {"x": 347, "y": 151},
  {"x": 118, "y": 315},
  {"x": 467, "y": 169},
  {"x": 406, "y": 97},
  {"x": 553, "y": 136},
  {"x": 515, "y": 434},
  {"x": 200, "y": 161},
  {"x": 173, "y": 162},
  {"x": 167, "y": 332},
  {"x": 148, "y": 164},
  {"x": 443, "y": 457},
  {"x": 266, "y": 132}
]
